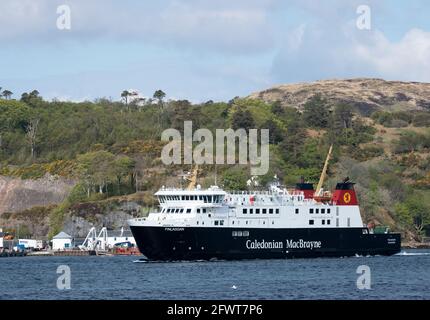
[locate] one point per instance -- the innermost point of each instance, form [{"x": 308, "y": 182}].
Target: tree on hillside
[
  {"x": 31, "y": 98},
  {"x": 124, "y": 95},
  {"x": 242, "y": 119},
  {"x": 122, "y": 167},
  {"x": 340, "y": 124},
  {"x": 414, "y": 212},
  {"x": 180, "y": 111},
  {"x": 159, "y": 95},
  {"x": 343, "y": 114},
  {"x": 7, "y": 94},
  {"x": 277, "y": 108},
  {"x": 31, "y": 133},
  {"x": 275, "y": 132},
  {"x": 316, "y": 113},
  {"x": 100, "y": 168},
  {"x": 293, "y": 142}
]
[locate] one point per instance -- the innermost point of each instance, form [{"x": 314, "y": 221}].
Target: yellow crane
[
  {"x": 323, "y": 173},
  {"x": 193, "y": 178}
]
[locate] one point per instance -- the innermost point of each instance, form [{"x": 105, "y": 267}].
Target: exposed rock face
[
  {"x": 83, "y": 218},
  {"x": 17, "y": 194},
  {"x": 367, "y": 95}
]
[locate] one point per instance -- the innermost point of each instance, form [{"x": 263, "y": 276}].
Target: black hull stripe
[{"x": 190, "y": 243}]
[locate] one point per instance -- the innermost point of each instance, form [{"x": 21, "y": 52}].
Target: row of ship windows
[
  {"x": 221, "y": 222},
  {"x": 257, "y": 211},
  {"x": 264, "y": 211},
  {"x": 240, "y": 233},
  {"x": 182, "y": 210},
  {"x": 176, "y": 210},
  {"x": 216, "y": 223},
  {"x": 323, "y": 222},
  {"x": 317, "y": 210},
  {"x": 205, "y": 199}
]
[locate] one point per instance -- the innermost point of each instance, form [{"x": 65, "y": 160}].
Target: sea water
[{"x": 403, "y": 276}]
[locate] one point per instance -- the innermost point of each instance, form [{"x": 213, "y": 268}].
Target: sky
[{"x": 206, "y": 49}]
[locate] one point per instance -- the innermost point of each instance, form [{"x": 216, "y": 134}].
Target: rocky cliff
[
  {"x": 17, "y": 194},
  {"x": 367, "y": 95}
]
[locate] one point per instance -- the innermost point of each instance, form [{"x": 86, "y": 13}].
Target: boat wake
[{"x": 404, "y": 253}]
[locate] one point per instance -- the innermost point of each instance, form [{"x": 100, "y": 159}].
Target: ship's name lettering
[
  {"x": 264, "y": 244},
  {"x": 174, "y": 229},
  {"x": 301, "y": 244}
]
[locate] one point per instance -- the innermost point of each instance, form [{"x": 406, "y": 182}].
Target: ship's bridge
[{"x": 212, "y": 195}]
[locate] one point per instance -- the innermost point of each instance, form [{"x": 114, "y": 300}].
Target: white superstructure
[{"x": 276, "y": 208}]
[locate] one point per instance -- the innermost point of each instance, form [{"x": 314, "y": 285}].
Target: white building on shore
[
  {"x": 1, "y": 238},
  {"x": 61, "y": 241}
]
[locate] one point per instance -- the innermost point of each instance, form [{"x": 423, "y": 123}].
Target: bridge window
[
  {"x": 244, "y": 211},
  {"x": 328, "y": 221},
  {"x": 198, "y": 210},
  {"x": 182, "y": 211},
  {"x": 328, "y": 210},
  {"x": 221, "y": 222},
  {"x": 245, "y": 233},
  {"x": 323, "y": 222},
  {"x": 297, "y": 211},
  {"x": 257, "y": 211},
  {"x": 197, "y": 223},
  {"x": 311, "y": 210},
  {"x": 200, "y": 197},
  {"x": 204, "y": 210},
  {"x": 251, "y": 211},
  {"x": 270, "y": 211},
  {"x": 264, "y": 211},
  {"x": 188, "y": 210},
  {"x": 277, "y": 211},
  {"x": 216, "y": 222},
  {"x": 311, "y": 222},
  {"x": 323, "y": 211},
  {"x": 317, "y": 210}
]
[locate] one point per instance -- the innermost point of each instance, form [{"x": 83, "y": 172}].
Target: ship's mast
[{"x": 324, "y": 172}]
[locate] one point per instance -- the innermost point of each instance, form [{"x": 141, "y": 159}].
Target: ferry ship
[{"x": 205, "y": 224}]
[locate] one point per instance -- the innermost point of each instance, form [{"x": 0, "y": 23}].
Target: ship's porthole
[
  {"x": 203, "y": 248},
  {"x": 189, "y": 248},
  {"x": 174, "y": 248}
]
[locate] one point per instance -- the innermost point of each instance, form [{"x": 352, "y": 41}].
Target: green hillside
[{"x": 113, "y": 149}]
